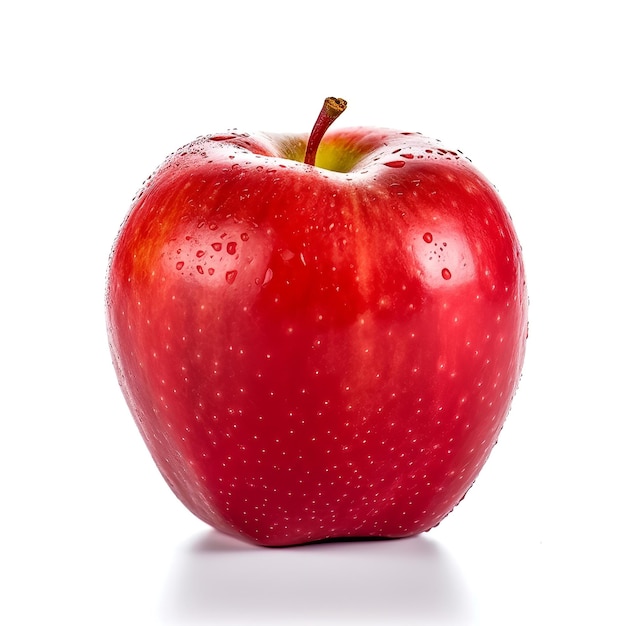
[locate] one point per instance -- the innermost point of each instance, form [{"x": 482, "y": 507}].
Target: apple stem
[{"x": 331, "y": 110}]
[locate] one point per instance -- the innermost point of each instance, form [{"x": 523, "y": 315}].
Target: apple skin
[{"x": 318, "y": 352}]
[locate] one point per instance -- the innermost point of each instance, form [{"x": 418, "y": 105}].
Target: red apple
[{"x": 318, "y": 351}]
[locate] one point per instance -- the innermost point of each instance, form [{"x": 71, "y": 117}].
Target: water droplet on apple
[
  {"x": 287, "y": 255},
  {"x": 200, "y": 253},
  {"x": 211, "y": 271},
  {"x": 222, "y": 137},
  {"x": 199, "y": 269},
  {"x": 407, "y": 155},
  {"x": 231, "y": 247},
  {"x": 180, "y": 265},
  {"x": 230, "y": 276},
  {"x": 268, "y": 276},
  {"x": 445, "y": 272},
  {"x": 216, "y": 246},
  {"x": 212, "y": 226},
  {"x": 395, "y": 164},
  {"x": 245, "y": 236},
  {"x": 428, "y": 238}
]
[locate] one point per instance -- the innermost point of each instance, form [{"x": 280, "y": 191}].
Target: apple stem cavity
[{"x": 331, "y": 110}]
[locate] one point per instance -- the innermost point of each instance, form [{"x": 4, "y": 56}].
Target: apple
[{"x": 318, "y": 336}]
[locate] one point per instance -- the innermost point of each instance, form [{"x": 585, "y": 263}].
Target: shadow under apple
[{"x": 218, "y": 579}]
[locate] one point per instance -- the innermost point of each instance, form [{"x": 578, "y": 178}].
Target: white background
[{"x": 94, "y": 96}]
